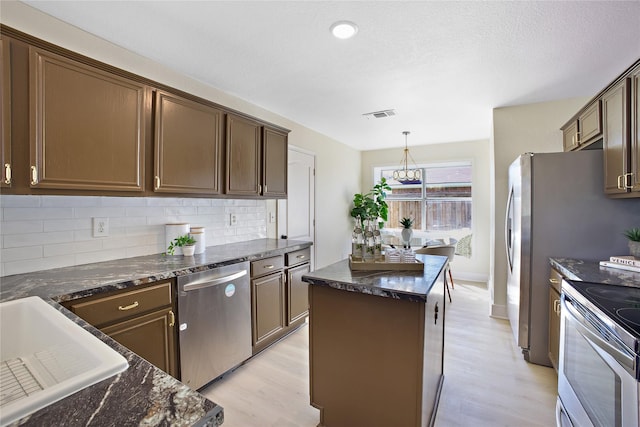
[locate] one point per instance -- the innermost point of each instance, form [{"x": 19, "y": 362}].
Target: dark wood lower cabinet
[
  {"x": 151, "y": 337},
  {"x": 268, "y": 309},
  {"x": 140, "y": 318},
  {"x": 297, "y": 295},
  {"x": 279, "y": 297}
]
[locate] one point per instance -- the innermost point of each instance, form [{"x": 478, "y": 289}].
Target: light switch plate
[{"x": 100, "y": 227}]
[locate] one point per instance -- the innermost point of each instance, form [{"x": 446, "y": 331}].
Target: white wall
[
  {"x": 477, "y": 267},
  {"x": 517, "y": 130},
  {"x": 337, "y": 166}
]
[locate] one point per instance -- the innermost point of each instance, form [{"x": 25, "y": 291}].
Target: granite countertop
[
  {"x": 591, "y": 271},
  {"x": 142, "y": 394},
  {"x": 409, "y": 285}
]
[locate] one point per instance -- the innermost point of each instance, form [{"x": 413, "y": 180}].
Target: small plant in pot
[
  {"x": 186, "y": 242},
  {"x": 633, "y": 234},
  {"x": 406, "y": 232}
]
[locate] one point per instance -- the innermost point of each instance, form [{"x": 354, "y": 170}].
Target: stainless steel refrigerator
[{"x": 556, "y": 208}]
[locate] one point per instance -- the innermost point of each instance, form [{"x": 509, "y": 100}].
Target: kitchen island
[{"x": 376, "y": 343}]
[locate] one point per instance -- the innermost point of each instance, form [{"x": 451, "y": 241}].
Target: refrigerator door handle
[{"x": 508, "y": 229}]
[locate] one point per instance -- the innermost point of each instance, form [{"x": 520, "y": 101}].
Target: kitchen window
[{"x": 440, "y": 204}]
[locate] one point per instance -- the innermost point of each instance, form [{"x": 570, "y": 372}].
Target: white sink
[{"x": 45, "y": 357}]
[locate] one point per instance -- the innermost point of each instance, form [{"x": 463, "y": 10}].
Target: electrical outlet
[
  {"x": 272, "y": 217},
  {"x": 100, "y": 227},
  {"x": 233, "y": 219}
]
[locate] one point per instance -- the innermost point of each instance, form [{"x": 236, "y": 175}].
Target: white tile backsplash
[{"x": 43, "y": 232}]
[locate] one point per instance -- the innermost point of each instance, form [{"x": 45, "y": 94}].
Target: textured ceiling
[{"x": 443, "y": 66}]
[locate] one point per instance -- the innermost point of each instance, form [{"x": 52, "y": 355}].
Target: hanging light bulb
[{"x": 406, "y": 175}]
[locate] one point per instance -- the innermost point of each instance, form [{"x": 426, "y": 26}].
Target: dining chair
[{"x": 443, "y": 250}]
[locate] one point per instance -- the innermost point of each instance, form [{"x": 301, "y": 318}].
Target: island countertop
[
  {"x": 142, "y": 394},
  {"x": 397, "y": 284}
]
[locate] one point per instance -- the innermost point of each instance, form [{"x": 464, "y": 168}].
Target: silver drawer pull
[
  {"x": 128, "y": 307},
  {"x": 268, "y": 267},
  {"x": 301, "y": 256}
]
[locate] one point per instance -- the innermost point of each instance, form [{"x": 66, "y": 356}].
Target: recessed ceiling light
[{"x": 344, "y": 29}]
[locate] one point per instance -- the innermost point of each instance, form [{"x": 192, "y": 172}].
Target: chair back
[{"x": 444, "y": 250}]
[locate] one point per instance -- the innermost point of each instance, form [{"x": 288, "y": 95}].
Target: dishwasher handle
[{"x": 205, "y": 283}]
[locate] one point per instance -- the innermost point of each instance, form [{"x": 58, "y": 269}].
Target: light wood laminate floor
[{"x": 487, "y": 382}]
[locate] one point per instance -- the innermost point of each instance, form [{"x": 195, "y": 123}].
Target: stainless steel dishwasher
[{"x": 214, "y": 314}]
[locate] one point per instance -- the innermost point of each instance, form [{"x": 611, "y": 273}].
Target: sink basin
[{"x": 45, "y": 356}]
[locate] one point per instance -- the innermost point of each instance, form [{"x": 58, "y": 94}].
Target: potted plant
[
  {"x": 633, "y": 234},
  {"x": 186, "y": 242},
  {"x": 407, "y": 232}
]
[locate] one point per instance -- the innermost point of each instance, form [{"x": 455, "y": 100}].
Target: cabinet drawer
[
  {"x": 297, "y": 257},
  {"x": 266, "y": 266},
  {"x": 123, "y": 305}
]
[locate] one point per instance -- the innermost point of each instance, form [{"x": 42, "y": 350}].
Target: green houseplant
[
  {"x": 186, "y": 242},
  {"x": 633, "y": 234}
]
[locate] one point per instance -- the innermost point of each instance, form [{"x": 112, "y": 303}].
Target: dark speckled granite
[
  {"x": 406, "y": 284},
  {"x": 590, "y": 271},
  {"x": 142, "y": 394}
]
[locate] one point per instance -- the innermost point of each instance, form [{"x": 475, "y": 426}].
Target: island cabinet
[
  {"x": 256, "y": 159},
  {"x": 188, "y": 146},
  {"x": 5, "y": 112},
  {"x": 141, "y": 319},
  {"x": 555, "y": 280},
  {"x": 376, "y": 344},
  {"x": 87, "y": 126}
]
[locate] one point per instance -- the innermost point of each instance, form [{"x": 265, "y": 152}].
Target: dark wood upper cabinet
[
  {"x": 188, "y": 146},
  {"x": 243, "y": 164},
  {"x": 615, "y": 141},
  {"x": 274, "y": 163},
  {"x": 5, "y": 112},
  {"x": 87, "y": 126},
  {"x": 635, "y": 136}
]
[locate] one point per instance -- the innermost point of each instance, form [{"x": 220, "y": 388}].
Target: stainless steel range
[{"x": 598, "y": 376}]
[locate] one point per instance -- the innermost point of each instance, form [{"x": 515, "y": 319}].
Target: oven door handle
[{"x": 612, "y": 346}]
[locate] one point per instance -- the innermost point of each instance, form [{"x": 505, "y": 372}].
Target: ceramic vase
[
  {"x": 634, "y": 248},
  {"x": 406, "y": 236}
]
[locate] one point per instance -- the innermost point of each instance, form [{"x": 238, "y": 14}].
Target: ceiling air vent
[{"x": 380, "y": 114}]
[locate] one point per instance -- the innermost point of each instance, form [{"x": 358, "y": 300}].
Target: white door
[{"x": 296, "y": 215}]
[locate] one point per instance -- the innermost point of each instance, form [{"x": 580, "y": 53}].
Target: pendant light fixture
[{"x": 406, "y": 175}]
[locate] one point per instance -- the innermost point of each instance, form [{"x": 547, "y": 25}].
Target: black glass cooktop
[{"x": 620, "y": 303}]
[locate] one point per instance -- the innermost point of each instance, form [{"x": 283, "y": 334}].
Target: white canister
[
  {"x": 198, "y": 236},
  {"x": 171, "y": 231}
]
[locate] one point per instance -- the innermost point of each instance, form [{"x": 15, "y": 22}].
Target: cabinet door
[
  {"x": 267, "y": 308},
  {"x": 87, "y": 126},
  {"x": 5, "y": 112},
  {"x": 188, "y": 146},
  {"x": 635, "y": 128},
  {"x": 590, "y": 122},
  {"x": 297, "y": 294},
  {"x": 243, "y": 157},
  {"x": 570, "y": 136},
  {"x": 554, "y": 326},
  {"x": 615, "y": 140},
  {"x": 274, "y": 163},
  {"x": 151, "y": 337}
]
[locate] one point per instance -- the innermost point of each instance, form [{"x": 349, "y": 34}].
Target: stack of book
[{"x": 629, "y": 263}]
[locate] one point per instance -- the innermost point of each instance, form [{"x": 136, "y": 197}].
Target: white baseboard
[
  {"x": 470, "y": 277},
  {"x": 499, "y": 311}
]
